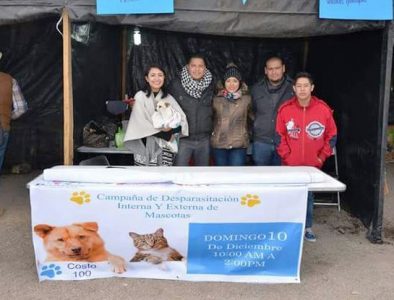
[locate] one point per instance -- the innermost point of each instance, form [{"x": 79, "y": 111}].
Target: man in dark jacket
[
  {"x": 194, "y": 91},
  {"x": 267, "y": 95}
]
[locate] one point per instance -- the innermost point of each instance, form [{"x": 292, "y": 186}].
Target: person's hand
[
  {"x": 128, "y": 100},
  {"x": 319, "y": 160},
  {"x": 166, "y": 129}
]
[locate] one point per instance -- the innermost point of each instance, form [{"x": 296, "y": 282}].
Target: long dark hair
[{"x": 148, "y": 89}]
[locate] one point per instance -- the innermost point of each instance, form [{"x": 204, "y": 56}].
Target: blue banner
[
  {"x": 356, "y": 9},
  {"x": 117, "y": 7},
  {"x": 244, "y": 248}
]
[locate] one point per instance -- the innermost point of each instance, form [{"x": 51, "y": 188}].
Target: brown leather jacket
[
  {"x": 5, "y": 100},
  {"x": 230, "y": 122}
]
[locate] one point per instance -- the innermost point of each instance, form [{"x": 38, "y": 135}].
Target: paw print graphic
[
  {"x": 50, "y": 271},
  {"x": 250, "y": 200},
  {"x": 80, "y": 197}
]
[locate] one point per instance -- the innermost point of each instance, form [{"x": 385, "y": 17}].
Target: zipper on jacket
[{"x": 303, "y": 134}]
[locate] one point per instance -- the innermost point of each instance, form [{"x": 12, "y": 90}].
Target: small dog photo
[{"x": 77, "y": 242}]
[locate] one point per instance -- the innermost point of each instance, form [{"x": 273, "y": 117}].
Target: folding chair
[{"x": 335, "y": 174}]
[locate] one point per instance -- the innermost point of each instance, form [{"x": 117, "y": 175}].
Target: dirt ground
[{"x": 342, "y": 264}]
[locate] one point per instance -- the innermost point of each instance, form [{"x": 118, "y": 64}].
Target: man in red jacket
[{"x": 306, "y": 134}]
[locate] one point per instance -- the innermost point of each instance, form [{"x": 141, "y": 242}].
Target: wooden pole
[{"x": 68, "y": 120}]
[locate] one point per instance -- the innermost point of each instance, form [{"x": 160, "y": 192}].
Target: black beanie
[{"x": 232, "y": 71}]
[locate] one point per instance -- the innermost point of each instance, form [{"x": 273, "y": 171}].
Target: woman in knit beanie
[{"x": 232, "y": 109}]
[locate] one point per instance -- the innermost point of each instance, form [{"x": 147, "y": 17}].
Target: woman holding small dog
[
  {"x": 232, "y": 110},
  {"x": 146, "y": 141}
]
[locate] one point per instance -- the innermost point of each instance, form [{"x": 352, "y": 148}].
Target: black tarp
[
  {"x": 257, "y": 18},
  {"x": 96, "y": 65},
  {"x": 21, "y": 11},
  {"x": 350, "y": 78},
  {"x": 171, "y": 50},
  {"x": 32, "y": 53}
]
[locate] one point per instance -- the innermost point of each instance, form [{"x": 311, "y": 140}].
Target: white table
[{"x": 243, "y": 224}]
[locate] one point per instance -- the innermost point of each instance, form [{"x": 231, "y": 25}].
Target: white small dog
[{"x": 166, "y": 116}]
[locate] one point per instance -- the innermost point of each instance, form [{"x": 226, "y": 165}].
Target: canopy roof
[{"x": 258, "y": 18}]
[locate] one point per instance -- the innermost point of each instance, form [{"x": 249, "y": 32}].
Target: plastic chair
[
  {"x": 100, "y": 160},
  {"x": 337, "y": 201}
]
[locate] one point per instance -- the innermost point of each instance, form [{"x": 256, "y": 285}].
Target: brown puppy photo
[{"x": 77, "y": 242}]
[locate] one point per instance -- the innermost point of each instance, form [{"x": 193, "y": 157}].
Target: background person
[
  {"x": 307, "y": 134},
  {"x": 141, "y": 137},
  {"x": 194, "y": 91},
  {"x": 231, "y": 108},
  {"x": 267, "y": 95},
  {"x": 12, "y": 106}
]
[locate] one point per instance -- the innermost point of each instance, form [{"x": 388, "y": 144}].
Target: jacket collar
[
  {"x": 273, "y": 89},
  {"x": 311, "y": 103}
]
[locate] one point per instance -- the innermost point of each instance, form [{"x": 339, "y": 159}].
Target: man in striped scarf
[{"x": 194, "y": 91}]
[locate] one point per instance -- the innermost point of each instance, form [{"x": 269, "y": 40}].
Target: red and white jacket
[{"x": 305, "y": 133}]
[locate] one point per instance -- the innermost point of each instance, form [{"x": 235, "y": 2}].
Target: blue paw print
[{"x": 50, "y": 271}]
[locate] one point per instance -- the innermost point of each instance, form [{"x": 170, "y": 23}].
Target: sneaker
[{"x": 310, "y": 236}]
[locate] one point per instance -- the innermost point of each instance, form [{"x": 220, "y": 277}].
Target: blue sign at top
[
  {"x": 356, "y": 9},
  {"x": 118, "y": 7}
]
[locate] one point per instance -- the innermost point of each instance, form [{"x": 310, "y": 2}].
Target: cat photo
[{"x": 153, "y": 248}]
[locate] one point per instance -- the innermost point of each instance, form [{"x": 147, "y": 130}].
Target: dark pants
[
  {"x": 198, "y": 150},
  {"x": 265, "y": 154},
  {"x": 229, "y": 157},
  {"x": 3, "y": 146},
  {"x": 309, "y": 210}
]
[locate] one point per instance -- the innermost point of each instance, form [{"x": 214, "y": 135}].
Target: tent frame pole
[
  {"x": 376, "y": 227},
  {"x": 68, "y": 120}
]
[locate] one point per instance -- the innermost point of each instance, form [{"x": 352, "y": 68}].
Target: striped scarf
[{"x": 195, "y": 88}]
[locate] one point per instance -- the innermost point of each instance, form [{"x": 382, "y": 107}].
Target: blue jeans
[
  {"x": 3, "y": 147},
  {"x": 309, "y": 210},
  {"x": 229, "y": 157},
  {"x": 265, "y": 154},
  {"x": 198, "y": 150}
]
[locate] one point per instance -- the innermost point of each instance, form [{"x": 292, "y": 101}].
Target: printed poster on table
[
  {"x": 356, "y": 9},
  {"x": 241, "y": 233},
  {"x": 117, "y": 7}
]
